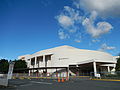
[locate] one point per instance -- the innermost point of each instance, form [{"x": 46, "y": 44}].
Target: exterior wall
[{"x": 64, "y": 56}]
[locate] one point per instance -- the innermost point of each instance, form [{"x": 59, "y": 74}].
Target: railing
[
  {"x": 3, "y": 75},
  {"x": 106, "y": 75}
]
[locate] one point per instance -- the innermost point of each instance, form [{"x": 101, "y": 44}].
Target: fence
[
  {"x": 5, "y": 77},
  {"x": 40, "y": 75},
  {"x": 106, "y": 75},
  {"x": 3, "y": 80},
  {"x": 53, "y": 76}
]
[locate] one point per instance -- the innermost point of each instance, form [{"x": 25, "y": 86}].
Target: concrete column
[
  {"x": 56, "y": 73},
  {"x": 44, "y": 60},
  {"x": 108, "y": 67},
  {"x": 95, "y": 69},
  {"x": 29, "y": 66},
  {"x": 29, "y": 72},
  {"x": 30, "y": 63},
  {"x": 35, "y": 62},
  {"x": 68, "y": 72}
]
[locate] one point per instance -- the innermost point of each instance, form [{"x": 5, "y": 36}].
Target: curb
[{"x": 105, "y": 79}]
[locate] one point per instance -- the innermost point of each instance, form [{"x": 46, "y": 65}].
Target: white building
[{"x": 67, "y": 56}]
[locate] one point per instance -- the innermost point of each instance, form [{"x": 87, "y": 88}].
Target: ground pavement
[{"x": 43, "y": 84}]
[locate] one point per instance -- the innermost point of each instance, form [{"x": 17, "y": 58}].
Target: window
[
  {"x": 40, "y": 58},
  {"x": 48, "y": 57},
  {"x": 28, "y": 60},
  {"x": 32, "y": 61}
]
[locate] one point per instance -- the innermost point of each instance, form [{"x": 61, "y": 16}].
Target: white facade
[{"x": 64, "y": 56}]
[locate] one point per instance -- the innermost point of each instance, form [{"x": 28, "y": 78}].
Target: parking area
[{"x": 45, "y": 84}]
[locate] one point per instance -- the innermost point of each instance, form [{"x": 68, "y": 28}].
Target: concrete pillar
[
  {"x": 44, "y": 64},
  {"x": 44, "y": 60},
  {"x": 29, "y": 66},
  {"x": 30, "y": 63},
  {"x": 29, "y": 72},
  {"x": 35, "y": 62},
  {"x": 56, "y": 73},
  {"x": 95, "y": 69},
  {"x": 108, "y": 67},
  {"x": 68, "y": 72},
  {"x": 33, "y": 69}
]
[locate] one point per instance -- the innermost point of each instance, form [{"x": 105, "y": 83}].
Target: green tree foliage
[
  {"x": 118, "y": 64},
  {"x": 4, "y": 65},
  {"x": 19, "y": 64}
]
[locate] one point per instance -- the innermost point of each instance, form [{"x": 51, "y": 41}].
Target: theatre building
[{"x": 78, "y": 60}]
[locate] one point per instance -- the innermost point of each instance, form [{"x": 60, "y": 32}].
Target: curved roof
[
  {"x": 76, "y": 53},
  {"x": 66, "y": 47}
]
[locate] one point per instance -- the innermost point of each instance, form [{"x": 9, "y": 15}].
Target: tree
[
  {"x": 4, "y": 65},
  {"x": 19, "y": 64},
  {"x": 118, "y": 64}
]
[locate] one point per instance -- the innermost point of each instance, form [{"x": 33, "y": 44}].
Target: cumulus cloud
[
  {"x": 74, "y": 14},
  {"x": 96, "y": 30},
  {"x": 103, "y": 7},
  {"x": 105, "y": 47},
  {"x": 65, "y": 21},
  {"x": 68, "y": 19},
  {"x": 62, "y": 34},
  {"x": 71, "y": 19}
]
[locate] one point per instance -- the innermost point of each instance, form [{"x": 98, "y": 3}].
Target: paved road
[{"x": 42, "y": 84}]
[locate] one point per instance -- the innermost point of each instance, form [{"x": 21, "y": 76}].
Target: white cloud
[
  {"x": 72, "y": 30},
  {"x": 95, "y": 40},
  {"x": 96, "y": 30},
  {"x": 78, "y": 37},
  {"x": 103, "y": 7},
  {"x": 78, "y": 41},
  {"x": 65, "y": 21},
  {"x": 1, "y": 57},
  {"x": 74, "y": 14},
  {"x": 68, "y": 19},
  {"x": 105, "y": 47},
  {"x": 62, "y": 34}
]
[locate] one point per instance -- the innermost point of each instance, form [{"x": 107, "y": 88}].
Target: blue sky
[{"x": 28, "y": 26}]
